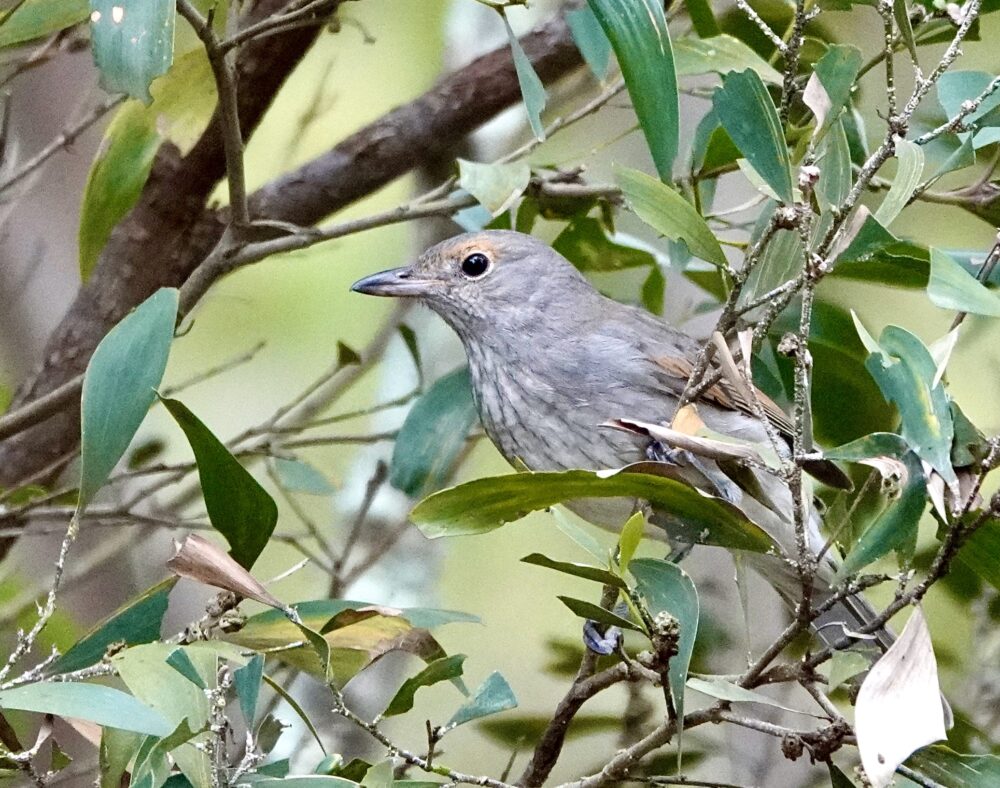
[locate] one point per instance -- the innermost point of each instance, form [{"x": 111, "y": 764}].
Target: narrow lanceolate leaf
[
  {"x": 91, "y": 702},
  {"x": 902, "y": 16},
  {"x": 899, "y": 706},
  {"x": 595, "y": 573},
  {"x": 666, "y": 588},
  {"x": 908, "y": 176},
  {"x": 896, "y": 527},
  {"x": 239, "y": 508},
  {"x": 746, "y": 111},
  {"x": 496, "y": 186},
  {"x": 829, "y": 87},
  {"x": 183, "y": 102},
  {"x": 137, "y": 622},
  {"x": 494, "y": 695},
  {"x": 443, "y": 669},
  {"x": 663, "y": 209},
  {"x": 485, "y": 504},
  {"x": 905, "y": 372},
  {"x": 720, "y": 54},
  {"x": 702, "y": 18},
  {"x": 433, "y": 435},
  {"x": 947, "y": 767},
  {"x": 120, "y": 385},
  {"x": 590, "y": 39},
  {"x": 247, "y": 682},
  {"x": 592, "y": 612},
  {"x": 638, "y": 33},
  {"x": 132, "y": 42},
  {"x": 952, "y": 287},
  {"x": 532, "y": 89}
]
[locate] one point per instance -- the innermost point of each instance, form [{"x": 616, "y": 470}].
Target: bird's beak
[{"x": 397, "y": 282}]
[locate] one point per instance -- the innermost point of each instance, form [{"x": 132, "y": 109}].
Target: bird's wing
[{"x": 725, "y": 395}]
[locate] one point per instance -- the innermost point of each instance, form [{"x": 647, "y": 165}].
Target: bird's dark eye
[{"x": 475, "y": 265}]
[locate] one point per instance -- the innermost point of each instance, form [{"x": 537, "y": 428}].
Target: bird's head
[{"x": 495, "y": 279}]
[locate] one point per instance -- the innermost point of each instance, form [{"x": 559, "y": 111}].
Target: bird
[{"x": 555, "y": 365}]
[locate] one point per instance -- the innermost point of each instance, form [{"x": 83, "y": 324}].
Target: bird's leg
[
  {"x": 712, "y": 477},
  {"x": 657, "y": 452}
]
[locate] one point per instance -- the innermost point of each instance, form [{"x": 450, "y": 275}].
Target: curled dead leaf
[{"x": 681, "y": 439}]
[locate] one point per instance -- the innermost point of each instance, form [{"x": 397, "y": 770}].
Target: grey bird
[{"x": 553, "y": 362}]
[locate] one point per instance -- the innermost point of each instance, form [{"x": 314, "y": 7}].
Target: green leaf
[
  {"x": 902, "y": 16},
  {"x": 720, "y": 688},
  {"x": 91, "y": 702},
  {"x": 443, "y": 669},
  {"x": 878, "y": 444},
  {"x": 908, "y": 176},
  {"x": 183, "y": 102},
  {"x": 895, "y": 528},
  {"x": 585, "y": 571},
  {"x": 133, "y": 43},
  {"x": 305, "y": 781},
  {"x": 956, "y": 770},
  {"x": 247, "y": 681},
  {"x": 952, "y": 287},
  {"x": 780, "y": 262},
  {"x": 181, "y": 662},
  {"x": 496, "y": 186},
  {"x": 485, "y": 504},
  {"x": 842, "y": 666},
  {"x": 663, "y": 209},
  {"x": 638, "y": 33},
  {"x": 668, "y": 589},
  {"x": 628, "y": 540},
  {"x": 585, "y": 243},
  {"x": 301, "y": 476},
  {"x": 532, "y": 89},
  {"x": 956, "y": 87},
  {"x": 117, "y": 750},
  {"x": 719, "y": 54},
  {"x": 119, "y": 386},
  {"x": 871, "y": 239},
  {"x": 904, "y": 371},
  {"x": 494, "y": 695},
  {"x": 702, "y": 18},
  {"x": 238, "y": 507},
  {"x": 433, "y": 435},
  {"x": 981, "y": 552},
  {"x": 835, "y": 168},
  {"x": 829, "y": 88},
  {"x": 746, "y": 111},
  {"x": 590, "y": 40},
  {"x": 652, "y": 293},
  {"x": 592, "y": 612},
  {"x": 37, "y": 18},
  {"x": 137, "y": 622}
]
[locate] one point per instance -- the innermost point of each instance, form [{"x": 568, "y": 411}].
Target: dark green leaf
[
  {"x": 970, "y": 445},
  {"x": 837, "y": 778},
  {"x": 902, "y": 16},
  {"x": 956, "y": 770},
  {"x": 592, "y": 612},
  {"x": 638, "y": 33},
  {"x": 590, "y": 40},
  {"x": 871, "y": 238},
  {"x": 666, "y": 588},
  {"x": 663, "y": 209},
  {"x": 952, "y": 287},
  {"x": 485, "y": 504},
  {"x": 702, "y": 18},
  {"x": 133, "y": 43},
  {"x": 585, "y": 571},
  {"x": 905, "y": 373},
  {"x": 585, "y": 243},
  {"x": 300, "y": 476},
  {"x": 958, "y": 153},
  {"x": 37, "y": 18},
  {"x": 878, "y": 444},
  {"x": 896, "y": 527},
  {"x": 494, "y": 695},
  {"x": 91, "y": 702},
  {"x": 181, "y": 662},
  {"x": 247, "y": 680},
  {"x": 718, "y": 55},
  {"x": 516, "y": 731},
  {"x": 746, "y": 111},
  {"x": 443, "y": 669},
  {"x": 981, "y": 552},
  {"x": 137, "y": 622},
  {"x": 532, "y": 89},
  {"x": 238, "y": 507},
  {"x": 652, "y": 292},
  {"x": 433, "y": 435},
  {"x": 120, "y": 385}
]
